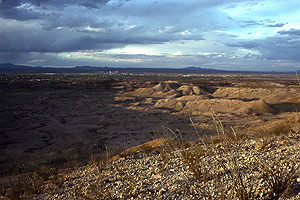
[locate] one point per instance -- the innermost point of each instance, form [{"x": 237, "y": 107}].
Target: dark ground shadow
[
  {"x": 60, "y": 120},
  {"x": 285, "y": 107}
]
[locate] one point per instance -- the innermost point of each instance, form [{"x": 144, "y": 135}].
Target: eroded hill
[{"x": 63, "y": 122}]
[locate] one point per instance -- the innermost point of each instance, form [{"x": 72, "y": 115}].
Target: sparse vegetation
[
  {"x": 260, "y": 174},
  {"x": 278, "y": 174},
  {"x": 258, "y": 159},
  {"x": 25, "y": 184},
  {"x": 272, "y": 175},
  {"x": 192, "y": 158}
]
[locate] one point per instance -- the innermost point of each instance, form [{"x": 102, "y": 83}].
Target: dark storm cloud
[
  {"x": 42, "y": 29},
  {"x": 16, "y": 57},
  {"x": 45, "y": 9},
  {"x": 10, "y": 9},
  {"x": 33, "y": 39},
  {"x": 79, "y": 28},
  {"x": 7, "y": 4},
  {"x": 55, "y": 42}
]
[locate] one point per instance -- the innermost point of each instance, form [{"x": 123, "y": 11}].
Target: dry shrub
[
  {"x": 276, "y": 172},
  {"x": 192, "y": 158},
  {"x": 23, "y": 186}
]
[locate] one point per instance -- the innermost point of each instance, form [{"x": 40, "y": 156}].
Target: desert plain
[{"x": 62, "y": 119}]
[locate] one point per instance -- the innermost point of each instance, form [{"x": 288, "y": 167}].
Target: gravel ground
[{"x": 222, "y": 171}]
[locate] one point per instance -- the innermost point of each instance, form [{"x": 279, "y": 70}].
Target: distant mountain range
[{"x": 11, "y": 68}]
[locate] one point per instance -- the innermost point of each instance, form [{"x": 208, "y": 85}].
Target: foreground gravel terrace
[{"x": 172, "y": 174}]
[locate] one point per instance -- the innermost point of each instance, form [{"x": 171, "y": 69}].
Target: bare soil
[{"x": 59, "y": 120}]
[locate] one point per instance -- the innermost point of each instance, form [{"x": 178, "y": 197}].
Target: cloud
[
  {"x": 16, "y": 10},
  {"x": 93, "y": 58},
  {"x": 275, "y": 25},
  {"x": 244, "y": 44},
  {"x": 252, "y": 23},
  {"x": 7, "y": 4},
  {"x": 47, "y": 29},
  {"x": 47, "y": 9},
  {"x": 284, "y": 46},
  {"x": 295, "y": 32},
  {"x": 281, "y": 48},
  {"x": 35, "y": 39},
  {"x": 263, "y": 23}
]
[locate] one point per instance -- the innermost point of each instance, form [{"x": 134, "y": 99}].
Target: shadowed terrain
[{"x": 61, "y": 119}]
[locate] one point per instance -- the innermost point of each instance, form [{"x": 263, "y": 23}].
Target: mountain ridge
[{"x": 12, "y": 68}]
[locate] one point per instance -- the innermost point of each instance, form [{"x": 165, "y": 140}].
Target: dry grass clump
[
  {"x": 243, "y": 187},
  {"x": 36, "y": 179},
  {"x": 240, "y": 176},
  {"x": 278, "y": 175},
  {"x": 25, "y": 184},
  {"x": 193, "y": 158},
  {"x": 243, "y": 173}
]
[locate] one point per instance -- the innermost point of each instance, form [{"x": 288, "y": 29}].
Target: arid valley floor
[{"x": 59, "y": 120}]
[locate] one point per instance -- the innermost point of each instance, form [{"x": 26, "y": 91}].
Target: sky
[{"x": 253, "y": 35}]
